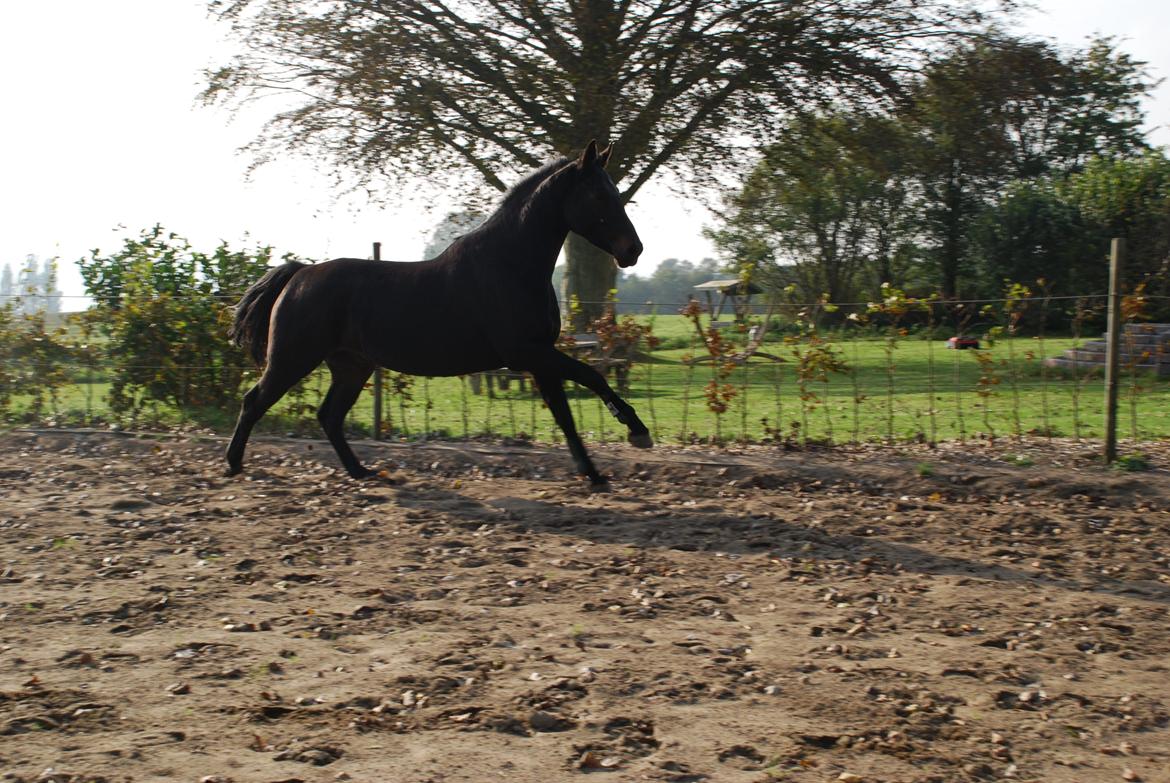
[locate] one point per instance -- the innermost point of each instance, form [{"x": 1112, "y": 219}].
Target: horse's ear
[
  {"x": 603, "y": 156},
  {"x": 588, "y": 155}
]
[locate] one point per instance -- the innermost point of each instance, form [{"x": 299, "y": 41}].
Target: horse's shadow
[{"x": 701, "y": 530}]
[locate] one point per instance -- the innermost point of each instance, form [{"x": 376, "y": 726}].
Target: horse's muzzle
[{"x": 628, "y": 256}]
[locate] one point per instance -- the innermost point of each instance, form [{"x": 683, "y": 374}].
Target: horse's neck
[{"x": 536, "y": 233}]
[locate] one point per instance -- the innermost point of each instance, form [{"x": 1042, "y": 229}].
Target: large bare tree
[{"x": 398, "y": 90}]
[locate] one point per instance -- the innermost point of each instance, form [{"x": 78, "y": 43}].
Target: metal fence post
[
  {"x": 1113, "y": 347},
  {"x": 377, "y": 372}
]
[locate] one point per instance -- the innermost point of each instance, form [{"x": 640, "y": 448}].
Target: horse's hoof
[
  {"x": 362, "y": 473},
  {"x": 230, "y": 471},
  {"x": 643, "y": 441},
  {"x": 599, "y": 485}
]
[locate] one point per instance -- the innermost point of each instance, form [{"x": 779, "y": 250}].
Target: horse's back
[
  {"x": 413, "y": 317},
  {"x": 364, "y": 287}
]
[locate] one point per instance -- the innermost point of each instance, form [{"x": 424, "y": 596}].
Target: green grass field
[{"x": 928, "y": 393}]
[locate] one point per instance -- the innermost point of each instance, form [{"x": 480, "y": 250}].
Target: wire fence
[
  {"x": 662, "y": 306},
  {"x": 796, "y": 372}
]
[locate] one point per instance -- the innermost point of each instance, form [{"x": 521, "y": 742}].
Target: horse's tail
[{"x": 250, "y": 326}]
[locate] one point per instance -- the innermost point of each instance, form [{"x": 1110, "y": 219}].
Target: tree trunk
[
  {"x": 883, "y": 263},
  {"x": 954, "y": 219},
  {"x": 590, "y": 275},
  {"x": 951, "y": 258}
]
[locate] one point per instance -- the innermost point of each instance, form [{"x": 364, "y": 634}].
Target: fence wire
[
  {"x": 661, "y": 306},
  {"x": 892, "y": 383}
]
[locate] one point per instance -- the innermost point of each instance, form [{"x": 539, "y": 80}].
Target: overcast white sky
[{"x": 102, "y": 136}]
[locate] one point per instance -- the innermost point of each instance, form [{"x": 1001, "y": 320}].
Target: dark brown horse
[{"x": 485, "y": 302}]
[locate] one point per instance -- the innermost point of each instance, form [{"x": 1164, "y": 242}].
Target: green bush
[
  {"x": 35, "y": 360},
  {"x": 164, "y": 311},
  {"x": 1132, "y": 462}
]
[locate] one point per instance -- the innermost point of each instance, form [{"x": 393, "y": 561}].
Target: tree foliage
[
  {"x": 1033, "y": 232},
  {"x": 1130, "y": 197},
  {"x": 968, "y": 182},
  {"x": 1000, "y": 111},
  {"x": 828, "y": 197}
]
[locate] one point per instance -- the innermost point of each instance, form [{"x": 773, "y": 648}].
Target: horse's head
[{"x": 594, "y": 208}]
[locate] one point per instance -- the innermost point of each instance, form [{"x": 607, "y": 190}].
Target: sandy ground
[{"x": 745, "y": 615}]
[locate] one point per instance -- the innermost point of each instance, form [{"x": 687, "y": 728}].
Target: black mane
[
  {"x": 512, "y": 205},
  {"x": 520, "y": 194}
]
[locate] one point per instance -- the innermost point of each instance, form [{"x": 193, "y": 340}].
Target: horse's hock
[{"x": 1143, "y": 347}]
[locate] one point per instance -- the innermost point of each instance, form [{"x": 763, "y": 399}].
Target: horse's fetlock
[{"x": 616, "y": 411}]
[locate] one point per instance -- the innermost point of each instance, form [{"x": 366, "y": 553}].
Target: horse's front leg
[{"x": 554, "y": 362}]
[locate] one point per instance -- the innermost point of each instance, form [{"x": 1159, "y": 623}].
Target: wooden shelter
[{"x": 733, "y": 293}]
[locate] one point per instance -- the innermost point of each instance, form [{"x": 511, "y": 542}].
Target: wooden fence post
[
  {"x": 377, "y": 372},
  {"x": 1113, "y": 347}
]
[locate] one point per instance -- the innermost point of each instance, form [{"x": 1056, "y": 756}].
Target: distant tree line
[
  {"x": 666, "y": 287},
  {"x": 669, "y": 285}
]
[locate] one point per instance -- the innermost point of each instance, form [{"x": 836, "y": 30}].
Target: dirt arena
[{"x": 744, "y": 615}]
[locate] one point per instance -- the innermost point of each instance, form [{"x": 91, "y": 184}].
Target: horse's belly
[{"x": 413, "y": 357}]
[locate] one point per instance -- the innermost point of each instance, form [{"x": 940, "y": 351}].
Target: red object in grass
[{"x": 962, "y": 343}]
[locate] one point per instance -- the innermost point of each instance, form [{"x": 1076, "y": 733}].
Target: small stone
[
  {"x": 588, "y": 760},
  {"x": 542, "y": 720},
  {"x": 849, "y": 777},
  {"x": 179, "y": 689},
  {"x": 317, "y": 757}
]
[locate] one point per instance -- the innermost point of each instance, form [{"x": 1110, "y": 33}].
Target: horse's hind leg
[
  {"x": 277, "y": 379},
  {"x": 350, "y": 374}
]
